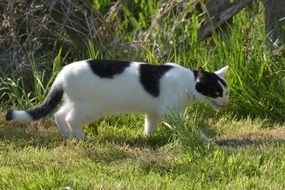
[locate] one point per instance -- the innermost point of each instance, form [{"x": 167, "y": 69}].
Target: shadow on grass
[
  {"x": 154, "y": 141},
  {"x": 45, "y": 134},
  {"x": 244, "y": 142},
  {"x": 23, "y": 135}
]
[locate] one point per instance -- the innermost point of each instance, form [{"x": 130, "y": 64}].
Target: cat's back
[
  {"x": 121, "y": 72},
  {"x": 103, "y": 69},
  {"x": 110, "y": 69},
  {"x": 102, "y": 76}
]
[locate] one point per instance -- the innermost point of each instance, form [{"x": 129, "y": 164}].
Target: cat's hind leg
[
  {"x": 76, "y": 121},
  {"x": 80, "y": 114},
  {"x": 151, "y": 122},
  {"x": 59, "y": 118}
]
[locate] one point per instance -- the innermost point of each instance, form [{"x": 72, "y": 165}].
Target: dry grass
[
  {"x": 249, "y": 132},
  {"x": 276, "y": 133},
  {"x": 41, "y": 28}
]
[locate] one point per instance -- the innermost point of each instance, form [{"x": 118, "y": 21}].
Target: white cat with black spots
[{"x": 91, "y": 89}]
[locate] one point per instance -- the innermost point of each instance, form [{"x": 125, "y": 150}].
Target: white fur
[
  {"x": 88, "y": 97},
  {"x": 21, "y": 116}
]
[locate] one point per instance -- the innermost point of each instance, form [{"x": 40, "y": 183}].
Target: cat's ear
[
  {"x": 221, "y": 72},
  {"x": 201, "y": 75}
]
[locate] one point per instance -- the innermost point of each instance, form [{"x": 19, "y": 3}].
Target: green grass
[
  {"x": 33, "y": 156},
  {"x": 245, "y": 146}
]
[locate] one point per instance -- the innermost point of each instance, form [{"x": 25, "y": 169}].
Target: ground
[{"x": 117, "y": 156}]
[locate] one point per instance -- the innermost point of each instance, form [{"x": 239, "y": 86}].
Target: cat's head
[{"x": 212, "y": 87}]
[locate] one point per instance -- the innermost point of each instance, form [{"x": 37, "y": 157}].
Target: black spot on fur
[
  {"x": 150, "y": 76},
  {"x": 50, "y": 102},
  {"x": 9, "y": 115},
  {"x": 209, "y": 85},
  {"x": 107, "y": 68}
]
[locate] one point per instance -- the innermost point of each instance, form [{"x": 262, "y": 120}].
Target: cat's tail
[{"x": 43, "y": 109}]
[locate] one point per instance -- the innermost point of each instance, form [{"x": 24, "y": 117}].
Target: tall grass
[
  {"x": 14, "y": 92},
  {"x": 187, "y": 129},
  {"x": 257, "y": 77}
]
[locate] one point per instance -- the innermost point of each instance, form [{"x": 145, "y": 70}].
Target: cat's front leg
[{"x": 151, "y": 122}]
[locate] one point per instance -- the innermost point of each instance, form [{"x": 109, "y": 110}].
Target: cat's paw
[{"x": 203, "y": 137}]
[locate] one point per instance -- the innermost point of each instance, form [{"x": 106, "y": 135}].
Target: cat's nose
[{"x": 224, "y": 105}]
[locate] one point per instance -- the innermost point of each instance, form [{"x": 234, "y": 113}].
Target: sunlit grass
[
  {"x": 33, "y": 156},
  {"x": 244, "y": 148}
]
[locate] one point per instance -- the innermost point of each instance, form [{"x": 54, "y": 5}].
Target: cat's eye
[{"x": 217, "y": 93}]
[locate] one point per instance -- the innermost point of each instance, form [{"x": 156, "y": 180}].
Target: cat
[{"x": 91, "y": 89}]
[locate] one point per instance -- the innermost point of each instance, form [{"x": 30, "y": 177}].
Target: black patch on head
[
  {"x": 150, "y": 76},
  {"x": 107, "y": 68},
  {"x": 209, "y": 85},
  {"x": 9, "y": 115}
]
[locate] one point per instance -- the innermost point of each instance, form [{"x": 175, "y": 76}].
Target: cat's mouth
[{"x": 218, "y": 106}]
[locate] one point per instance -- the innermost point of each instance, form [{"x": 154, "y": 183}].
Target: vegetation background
[{"x": 246, "y": 142}]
